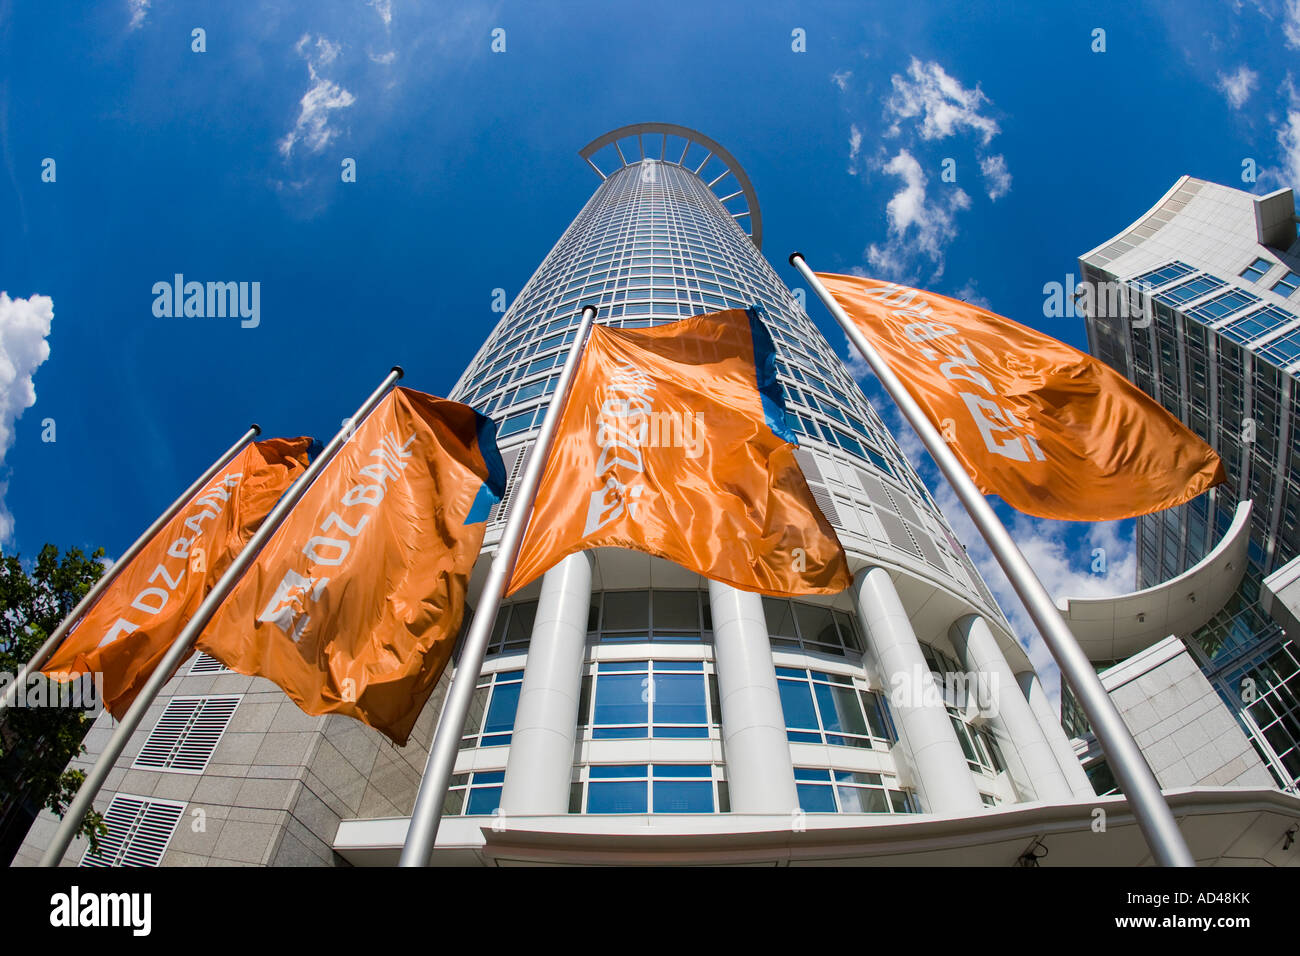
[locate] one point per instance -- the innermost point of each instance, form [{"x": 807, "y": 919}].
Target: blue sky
[{"x": 224, "y": 165}]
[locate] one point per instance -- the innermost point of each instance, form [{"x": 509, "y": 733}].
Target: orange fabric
[
  {"x": 128, "y": 630},
  {"x": 355, "y": 603},
  {"x": 663, "y": 447},
  {"x": 1054, "y": 432}
]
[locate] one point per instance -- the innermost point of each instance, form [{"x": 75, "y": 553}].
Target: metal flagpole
[
  {"x": 184, "y": 643},
  {"x": 1125, "y": 757},
  {"x": 100, "y": 586},
  {"x": 427, "y": 813}
]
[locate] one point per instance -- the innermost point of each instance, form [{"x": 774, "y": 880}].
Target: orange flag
[
  {"x": 674, "y": 442},
  {"x": 1054, "y": 432},
  {"x": 127, "y": 631},
  {"x": 356, "y": 601}
]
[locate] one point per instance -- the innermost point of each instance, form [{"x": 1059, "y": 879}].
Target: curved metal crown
[{"x": 691, "y": 137}]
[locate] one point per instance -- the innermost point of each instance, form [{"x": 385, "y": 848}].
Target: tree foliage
[{"x": 36, "y": 743}]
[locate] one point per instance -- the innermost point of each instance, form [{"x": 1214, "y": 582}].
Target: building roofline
[{"x": 691, "y": 136}]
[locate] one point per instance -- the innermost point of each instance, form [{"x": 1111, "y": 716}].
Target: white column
[
  {"x": 760, "y": 774},
  {"x": 540, "y": 765},
  {"x": 1050, "y": 723},
  {"x": 943, "y": 776},
  {"x": 979, "y": 653}
]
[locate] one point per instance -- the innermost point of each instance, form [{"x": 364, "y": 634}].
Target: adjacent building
[{"x": 1198, "y": 303}]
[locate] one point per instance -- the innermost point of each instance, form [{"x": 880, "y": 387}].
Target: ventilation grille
[
  {"x": 139, "y": 831},
  {"x": 207, "y": 664},
  {"x": 812, "y": 474},
  {"x": 515, "y": 461},
  {"x": 897, "y": 533},
  {"x": 186, "y": 734}
]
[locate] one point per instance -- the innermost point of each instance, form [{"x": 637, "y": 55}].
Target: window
[
  {"x": 651, "y": 788},
  {"x": 850, "y": 791},
  {"x": 1189, "y": 290},
  {"x": 513, "y": 628},
  {"x": 810, "y": 626},
  {"x": 1164, "y": 275},
  {"x": 654, "y": 615},
  {"x": 186, "y": 734},
  {"x": 825, "y": 708},
  {"x": 1256, "y": 270},
  {"x": 982, "y": 753},
  {"x": 1256, "y": 323},
  {"x": 1234, "y": 300},
  {"x": 474, "y": 794},
  {"x": 639, "y": 699},
  {"x": 491, "y": 715},
  {"x": 139, "y": 832},
  {"x": 1288, "y": 284}
]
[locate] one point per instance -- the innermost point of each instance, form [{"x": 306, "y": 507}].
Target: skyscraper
[
  {"x": 1198, "y": 303},
  {"x": 630, "y": 710}
]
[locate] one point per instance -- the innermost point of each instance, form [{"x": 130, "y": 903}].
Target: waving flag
[
  {"x": 1054, "y": 432},
  {"x": 127, "y": 631},
  {"x": 355, "y": 603},
  {"x": 673, "y": 442}
]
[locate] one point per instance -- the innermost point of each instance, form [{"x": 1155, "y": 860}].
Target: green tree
[{"x": 36, "y": 743}]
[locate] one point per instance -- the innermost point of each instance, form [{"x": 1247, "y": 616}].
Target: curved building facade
[{"x": 622, "y": 684}]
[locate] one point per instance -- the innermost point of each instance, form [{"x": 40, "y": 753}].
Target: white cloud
[
  {"x": 385, "y": 10},
  {"x": 917, "y": 224},
  {"x": 1291, "y": 24},
  {"x": 24, "y": 328},
  {"x": 383, "y": 58},
  {"x": 139, "y": 11},
  {"x": 1288, "y": 138},
  {"x": 942, "y": 103},
  {"x": 855, "y": 146},
  {"x": 323, "y": 96},
  {"x": 971, "y": 293},
  {"x": 997, "y": 178},
  {"x": 1238, "y": 86},
  {"x": 841, "y": 79}
]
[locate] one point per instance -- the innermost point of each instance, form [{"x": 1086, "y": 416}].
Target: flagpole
[
  {"x": 427, "y": 812},
  {"x": 1123, "y": 754},
  {"x": 184, "y": 643},
  {"x": 107, "y": 578}
]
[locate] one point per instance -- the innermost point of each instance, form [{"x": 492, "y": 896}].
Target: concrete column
[
  {"x": 943, "y": 776},
  {"x": 760, "y": 774},
  {"x": 540, "y": 765},
  {"x": 979, "y": 653},
  {"x": 1050, "y": 723}
]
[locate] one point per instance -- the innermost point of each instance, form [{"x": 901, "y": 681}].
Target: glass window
[
  {"x": 640, "y": 699},
  {"x": 513, "y": 628},
  {"x": 474, "y": 794},
  {"x": 1256, "y": 270},
  {"x": 830, "y": 709},
  {"x": 812, "y": 626},
  {"x": 1189, "y": 290},
  {"x": 657, "y": 788},
  {"x": 491, "y": 715},
  {"x": 660, "y": 615},
  {"x": 1287, "y": 285},
  {"x": 850, "y": 791},
  {"x": 1164, "y": 275}
]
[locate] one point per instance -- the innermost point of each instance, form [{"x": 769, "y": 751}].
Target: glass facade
[
  {"x": 654, "y": 244},
  {"x": 1223, "y": 360}
]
